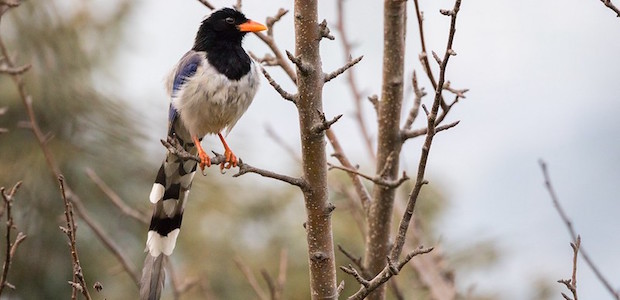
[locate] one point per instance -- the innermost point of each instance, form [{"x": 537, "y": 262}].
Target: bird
[{"x": 210, "y": 88}]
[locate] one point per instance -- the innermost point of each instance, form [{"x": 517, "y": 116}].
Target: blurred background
[{"x": 543, "y": 80}]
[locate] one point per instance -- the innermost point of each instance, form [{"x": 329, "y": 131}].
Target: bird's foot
[
  {"x": 205, "y": 161},
  {"x": 231, "y": 160}
]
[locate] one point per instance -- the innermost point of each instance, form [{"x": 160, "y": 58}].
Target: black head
[{"x": 226, "y": 26}]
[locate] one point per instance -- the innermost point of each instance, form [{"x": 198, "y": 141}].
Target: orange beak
[{"x": 251, "y": 26}]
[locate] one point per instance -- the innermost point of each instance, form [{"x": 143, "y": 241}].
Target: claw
[
  {"x": 205, "y": 161},
  {"x": 231, "y": 158}
]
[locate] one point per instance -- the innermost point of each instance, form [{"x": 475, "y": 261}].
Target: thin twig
[
  {"x": 572, "y": 232},
  {"x": 78, "y": 283},
  {"x": 409, "y": 134},
  {"x": 360, "y": 189},
  {"x": 424, "y": 55},
  {"x": 352, "y": 82},
  {"x": 247, "y": 273},
  {"x": 458, "y": 92},
  {"x": 173, "y": 146},
  {"x": 391, "y": 269},
  {"x": 207, "y": 4},
  {"x": 571, "y": 284},
  {"x": 419, "y": 93},
  {"x": 348, "y": 65},
  {"x": 376, "y": 179},
  {"x": 11, "y": 246},
  {"x": 15, "y": 70},
  {"x": 355, "y": 260},
  {"x": 281, "y": 274},
  {"x": 284, "y": 94},
  {"x": 612, "y": 7},
  {"x": 431, "y": 125},
  {"x": 116, "y": 199}
]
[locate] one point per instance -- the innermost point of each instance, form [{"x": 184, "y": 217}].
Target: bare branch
[
  {"x": 571, "y": 284},
  {"x": 573, "y": 234},
  {"x": 459, "y": 93},
  {"x": 348, "y": 65},
  {"x": 436, "y": 57},
  {"x": 612, "y": 7},
  {"x": 391, "y": 269},
  {"x": 374, "y": 100},
  {"x": 419, "y": 93},
  {"x": 296, "y": 181},
  {"x": 11, "y": 246},
  {"x": 284, "y": 94},
  {"x": 273, "y": 20},
  {"x": 175, "y": 148},
  {"x": 55, "y": 170},
  {"x": 325, "y": 33},
  {"x": 281, "y": 274},
  {"x": 431, "y": 125},
  {"x": 353, "y": 272},
  {"x": 116, "y": 200},
  {"x": 360, "y": 189},
  {"x": 247, "y": 273},
  {"x": 347, "y": 49},
  {"x": 325, "y": 124},
  {"x": 303, "y": 67},
  {"x": 423, "y": 55},
  {"x": 207, "y": 4},
  {"x": 10, "y": 3},
  {"x": 15, "y": 70},
  {"x": 376, "y": 179},
  {"x": 409, "y": 134},
  {"x": 78, "y": 283},
  {"x": 356, "y": 260}
]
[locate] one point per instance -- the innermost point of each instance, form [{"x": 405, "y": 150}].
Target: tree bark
[
  {"x": 389, "y": 141},
  {"x": 310, "y": 81}
]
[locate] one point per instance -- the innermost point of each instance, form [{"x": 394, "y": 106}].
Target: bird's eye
[{"x": 230, "y": 20}]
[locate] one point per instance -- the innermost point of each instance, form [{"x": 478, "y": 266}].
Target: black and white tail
[{"x": 169, "y": 194}]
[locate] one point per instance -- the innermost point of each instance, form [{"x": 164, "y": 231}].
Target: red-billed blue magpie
[{"x": 211, "y": 86}]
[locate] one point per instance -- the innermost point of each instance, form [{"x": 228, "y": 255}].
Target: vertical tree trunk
[
  {"x": 310, "y": 81},
  {"x": 389, "y": 141}
]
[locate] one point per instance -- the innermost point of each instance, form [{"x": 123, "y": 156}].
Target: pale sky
[{"x": 543, "y": 78}]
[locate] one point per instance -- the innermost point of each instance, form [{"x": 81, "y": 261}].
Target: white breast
[{"x": 209, "y": 102}]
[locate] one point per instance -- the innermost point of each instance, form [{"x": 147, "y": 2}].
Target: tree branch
[
  {"x": 348, "y": 65},
  {"x": 571, "y": 284},
  {"x": 78, "y": 283},
  {"x": 15, "y": 70},
  {"x": 612, "y": 7},
  {"x": 376, "y": 179},
  {"x": 391, "y": 269},
  {"x": 284, "y": 94},
  {"x": 247, "y": 273},
  {"x": 431, "y": 125},
  {"x": 11, "y": 246},
  {"x": 409, "y": 134},
  {"x": 352, "y": 82},
  {"x": 175, "y": 148},
  {"x": 573, "y": 234},
  {"x": 360, "y": 189},
  {"x": 116, "y": 200}
]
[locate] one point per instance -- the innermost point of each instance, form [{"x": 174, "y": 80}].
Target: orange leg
[
  {"x": 204, "y": 158},
  {"x": 231, "y": 159}
]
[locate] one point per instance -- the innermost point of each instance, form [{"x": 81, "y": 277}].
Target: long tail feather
[
  {"x": 153, "y": 276},
  {"x": 169, "y": 194}
]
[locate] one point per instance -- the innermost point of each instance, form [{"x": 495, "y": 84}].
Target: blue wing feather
[{"x": 186, "y": 68}]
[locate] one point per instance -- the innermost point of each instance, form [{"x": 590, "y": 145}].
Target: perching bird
[{"x": 211, "y": 86}]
